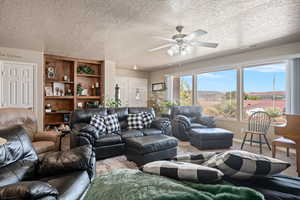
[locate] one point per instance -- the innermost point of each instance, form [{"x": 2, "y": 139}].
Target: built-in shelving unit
[{"x": 67, "y": 75}]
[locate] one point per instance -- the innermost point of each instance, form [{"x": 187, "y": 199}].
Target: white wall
[
  {"x": 29, "y": 56},
  {"x": 248, "y": 58}
]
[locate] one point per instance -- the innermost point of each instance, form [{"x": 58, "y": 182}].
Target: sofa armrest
[
  {"x": 181, "y": 126},
  {"x": 162, "y": 124},
  {"x": 52, "y": 136},
  {"x": 76, "y": 159},
  {"x": 207, "y": 120},
  {"x": 28, "y": 190}
]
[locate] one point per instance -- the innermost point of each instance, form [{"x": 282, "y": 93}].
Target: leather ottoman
[
  {"x": 142, "y": 150},
  {"x": 211, "y": 138}
]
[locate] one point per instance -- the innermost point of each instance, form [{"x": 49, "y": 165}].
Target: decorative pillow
[
  {"x": 245, "y": 165},
  {"x": 147, "y": 119},
  {"x": 135, "y": 121},
  {"x": 183, "y": 171},
  {"x": 112, "y": 123},
  {"x": 196, "y": 158},
  {"x": 97, "y": 121}
]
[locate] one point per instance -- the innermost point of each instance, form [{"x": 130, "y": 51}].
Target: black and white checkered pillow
[
  {"x": 183, "y": 171},
  {"x": 112, "y": 123},
  {"x": 98, "y": 122},
  {"x": 245, "y": 165},
  {"x": 147, "y": 119},
  {"x": 196, "y": 158},
  {"x": 135, "y": 121}
]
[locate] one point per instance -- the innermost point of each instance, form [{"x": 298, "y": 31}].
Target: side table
[{"x": 61, "y": 136}]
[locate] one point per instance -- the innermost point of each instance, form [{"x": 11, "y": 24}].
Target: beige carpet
[{"x": 120, "y": 162}]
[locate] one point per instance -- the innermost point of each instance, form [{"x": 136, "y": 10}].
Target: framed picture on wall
[{"x": 158, "y": 87}]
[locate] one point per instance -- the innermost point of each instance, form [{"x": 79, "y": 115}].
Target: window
[
  {"x": 186, "y": 90},
  {"x": 216, "y": 93},
  {"x": 264, "y": 90}
]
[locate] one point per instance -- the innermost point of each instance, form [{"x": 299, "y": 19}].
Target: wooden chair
[
  {"x": 283, "y": 142},
  {"x": 258, "y": 124}
]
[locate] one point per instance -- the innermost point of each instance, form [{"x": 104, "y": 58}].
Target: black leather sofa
[
  {"x": 108, "y": 145},
  {"x": 55, "y": 175}
]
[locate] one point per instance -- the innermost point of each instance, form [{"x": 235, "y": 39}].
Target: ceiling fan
[{"x": 183, "y": 44}]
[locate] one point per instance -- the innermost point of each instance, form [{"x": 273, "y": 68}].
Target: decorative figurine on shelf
[
  {"x": 66, "y": 78},
  {"x": 79, "y": 89},
  {"x": 51, "y": 71},
  {"x": 97, "y": 90},
  {"x": 117, "y": 94},
  {"x": 83, "y": 69},
  {"x": 69, "y": 92},
  {"x": 48, "y": 108}
]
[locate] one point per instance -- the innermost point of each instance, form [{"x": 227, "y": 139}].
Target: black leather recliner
[
  {"x": 108, "y": 145},
  {"x": 185, "y": 118},
  {"x": 55, "y": 175}
]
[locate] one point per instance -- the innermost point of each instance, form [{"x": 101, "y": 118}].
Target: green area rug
[{"x": 136, "y": 185}]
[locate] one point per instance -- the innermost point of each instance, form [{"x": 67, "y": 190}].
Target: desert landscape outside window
[
  {"x": 264, "y": 90},
  {"x": 216, "y": 93}
]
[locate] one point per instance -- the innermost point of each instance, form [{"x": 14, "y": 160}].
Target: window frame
[
  {"x": 239, "y": 84},
  {"x": 236, "y": 98},
  {"x": 242, "y": 119}
]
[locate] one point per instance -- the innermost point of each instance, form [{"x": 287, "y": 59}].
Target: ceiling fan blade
[
  {"x": 166, "y": 39},
  {"x": 204, "y": 44},
  {"x": 195, "y": 34},
  {"x": 160, "y": 47}
]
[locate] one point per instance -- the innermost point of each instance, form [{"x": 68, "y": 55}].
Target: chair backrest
[
  {"x": 19, "y": 116},
  {"x": 259, "y": 122},
  {"x": 191, "y": 112}
]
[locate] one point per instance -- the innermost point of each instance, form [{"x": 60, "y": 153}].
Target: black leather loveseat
[
  {"x": 108, "y": 145},
  {"x": 56, "y": 175}
]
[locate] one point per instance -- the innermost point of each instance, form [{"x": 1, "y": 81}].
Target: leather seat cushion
[
  {"x": 70, "y": 186},
  {"x": 43, "y": 146},
  {"x": 152, "y": 143},
  {"x": 211, "y": 133},
  {"x": 131, "y": 134},
  {"x": 108, "y": 139},
  {"x": 197, "y": 125},
  {"x": 151, "y": 131}
]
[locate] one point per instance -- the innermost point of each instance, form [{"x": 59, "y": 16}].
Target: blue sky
[{"x": 256, "y": 79}]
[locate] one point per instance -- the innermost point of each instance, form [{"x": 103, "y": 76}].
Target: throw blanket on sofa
[{"x": 136, "y": 185}]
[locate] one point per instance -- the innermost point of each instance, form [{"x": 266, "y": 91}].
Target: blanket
[{"x": 136, "y": 185}]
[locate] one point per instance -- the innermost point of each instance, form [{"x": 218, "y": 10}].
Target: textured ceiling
[{"x": 122, "y": 30}]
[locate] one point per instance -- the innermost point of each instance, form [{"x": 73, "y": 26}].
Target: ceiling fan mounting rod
[{"x": 179, "y": 28}]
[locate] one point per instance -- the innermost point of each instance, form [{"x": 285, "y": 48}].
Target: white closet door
[
  {"x": 17, "y": 85},
  {"x": 134, "y": 91}
]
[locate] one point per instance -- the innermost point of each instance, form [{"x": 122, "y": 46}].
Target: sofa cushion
[
  {"x": 112, "y": 123},
  {"x": 196, "y": 158},
  {"x": 135, "y": 121},
  {"x": 43, "y": 146},
  {"x": 147, "y": 119},
  {"x": 70, "y": 185},
  {"x": 245, "y": 165},
  {"x": 98, "y": 122},
  {"x": 152, "y": 143},
  {"x": 135, "y": 110},
  {"x": 151, "y": 131},
  {"x": 122, "y": 115},
  {"x": 131, "y": 134},
  {"x": 197, "y": 125},
  {"x": 108, "y": 139},
  {"x": 84, "y": 116},
  {"x": 28, "y": 190},
  {"x": 184, "y": 171}
]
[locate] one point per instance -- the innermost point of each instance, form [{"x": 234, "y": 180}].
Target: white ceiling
[{"x": 122, "y": 30}]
